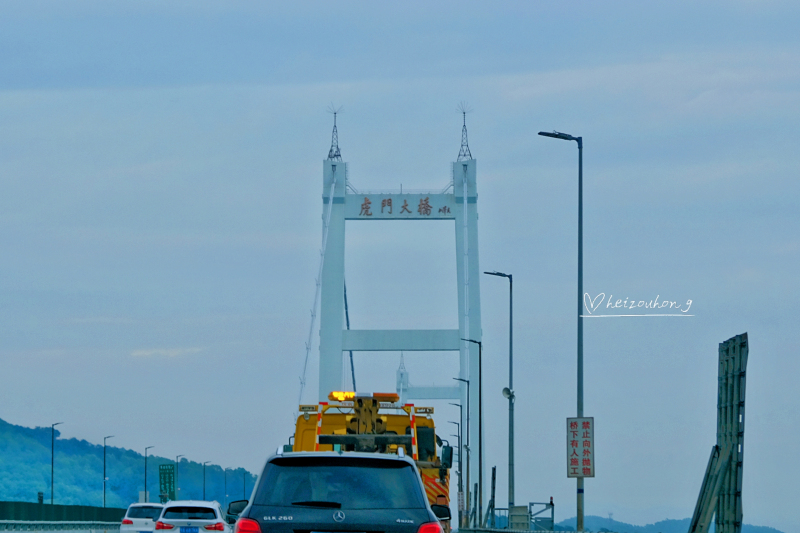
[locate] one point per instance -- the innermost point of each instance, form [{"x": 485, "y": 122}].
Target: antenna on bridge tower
[
  {"x": 464, "y": 153},
  {"x": 333, "y": 153},
  {"x": 402, "y": 380}
]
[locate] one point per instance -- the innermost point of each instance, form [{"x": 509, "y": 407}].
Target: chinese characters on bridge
[
  {"x": 425, "y": 208},
  {"x": 365, "y": 208},
  {"x": 580, "y": 447}
]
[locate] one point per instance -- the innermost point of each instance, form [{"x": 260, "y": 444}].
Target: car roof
[
  {"x": 196, "y": 503},
  {"x": 346, "y": 455},
  {"x": 148, "y": 504}
]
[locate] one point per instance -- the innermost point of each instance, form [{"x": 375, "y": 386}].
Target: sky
[{"x": 160, "y": 217}]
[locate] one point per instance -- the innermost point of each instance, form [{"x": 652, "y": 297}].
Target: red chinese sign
[
  {"x": 365, "y": 208},
  {"x": 374, "y": 206},
  {"x": 580, "y": 447},
  {"x": 424, "y": 208}
]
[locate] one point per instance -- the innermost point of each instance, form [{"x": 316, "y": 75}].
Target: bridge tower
[{"x": 343, "y": 203}]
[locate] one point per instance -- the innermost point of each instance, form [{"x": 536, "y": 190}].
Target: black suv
[{"x": 346, "y": 492}]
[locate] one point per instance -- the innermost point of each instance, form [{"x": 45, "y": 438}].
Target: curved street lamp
[
  {"x": 104, "y": 468},
  {"x": 145, "y": 473},
  {"x": 177, "y": 478},
  {"x": 52, "y": 456},
  {"x": 579, "y": 140},
  {"x": 480, "y": 429},
  {"x": 510, "y": 384},
  {"x": 204, "y": 479}
]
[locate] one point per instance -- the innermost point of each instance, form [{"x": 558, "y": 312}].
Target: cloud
[
  {"x": 165, "y": 352},
  {"x": 705, "y": 83}
]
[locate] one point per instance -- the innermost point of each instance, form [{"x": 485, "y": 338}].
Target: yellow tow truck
[{"x": 377, "y": 422}]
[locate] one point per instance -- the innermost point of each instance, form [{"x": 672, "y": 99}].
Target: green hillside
[{"x": 25, "y": 471}]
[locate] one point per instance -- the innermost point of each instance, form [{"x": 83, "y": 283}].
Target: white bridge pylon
[{"x": 347, "y": 204}]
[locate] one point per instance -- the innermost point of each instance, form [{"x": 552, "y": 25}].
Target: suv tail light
[
  {"x": 219, "y": 526},
  {"x": 128, "y": 522},
  {"x": 430, "y": 527},
  {"x": 247, "y": 525},
  {"x": 162, "y": 525}
]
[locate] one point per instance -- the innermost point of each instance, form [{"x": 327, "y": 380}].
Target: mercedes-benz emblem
[{"x": 338, "y": 516}]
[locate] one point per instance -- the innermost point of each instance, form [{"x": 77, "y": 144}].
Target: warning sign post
[{"x": 580, "y": 447}]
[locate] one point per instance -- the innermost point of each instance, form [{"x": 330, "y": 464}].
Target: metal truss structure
[{"x": 721, "y": 492}]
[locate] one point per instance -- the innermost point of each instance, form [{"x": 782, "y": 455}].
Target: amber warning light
[{"x": 343, "y": 396}]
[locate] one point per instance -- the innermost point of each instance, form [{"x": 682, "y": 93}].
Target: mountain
[
  {"x": 25, "y": 471},
  {"x": 600, "y": 524}
]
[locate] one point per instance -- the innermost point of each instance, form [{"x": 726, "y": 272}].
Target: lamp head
[
  {"x": 563, "y": 137},
  {"x": 557, "y": 135},
  {"x": 508, "y": 394}
]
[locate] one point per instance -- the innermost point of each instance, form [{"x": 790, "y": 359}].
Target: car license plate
[{"x": 187, "y": 529}]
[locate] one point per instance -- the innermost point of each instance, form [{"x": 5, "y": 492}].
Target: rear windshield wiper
[{"x": 318, "y": 503}]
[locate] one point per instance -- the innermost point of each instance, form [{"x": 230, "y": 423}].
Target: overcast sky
[{"x": 160, "y": 185}]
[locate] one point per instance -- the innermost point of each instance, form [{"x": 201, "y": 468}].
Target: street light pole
[
  {"x": 226, "y": 486},
  {"x": 509, "y": 393},
  {"x": 467, "y": 500},
  {"x": 479, "y": 516},
  {"x": 52, "y": 456},
  {"x": 177, "y": 477},
  {"x": 460, "y": 464},
  {"x": 579, "y": 140},
  {"x": 204, "y": 479},
  {"x": 104, "y": 468},
  {"x": 145, "y": 473}
]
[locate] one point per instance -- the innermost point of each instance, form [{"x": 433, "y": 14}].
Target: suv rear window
[
  {"x": 190, "y": 513},
  {"x": 346, "y": 483},
  {"x": 144, "y": 512}
]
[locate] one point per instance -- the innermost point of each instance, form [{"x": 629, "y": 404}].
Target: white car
[
  {"x": 192, "y": 516},
  {"x": 141, "y": 518}
]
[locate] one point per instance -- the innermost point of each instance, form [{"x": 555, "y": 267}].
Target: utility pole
[
  {"x": 460, "y": 464},
  {"x": 177, "y": 477},
  {"x": 52, "y": 456},
  {"x": 579, "y": 140},
  {"x": 204, "y": 479},
  {"x": 480, "y": 428},
  {"x": 145, "y": 473},
  {"x": 467, "y": 499},
  {"x": 508, "y": 392},
  {"x": 104, "y": 468},
  {"x": 225, "y": 471}
]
